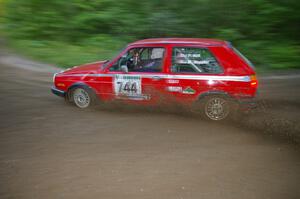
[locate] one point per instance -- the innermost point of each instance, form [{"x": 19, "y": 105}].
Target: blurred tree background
[{"x": 76, "y": 31}]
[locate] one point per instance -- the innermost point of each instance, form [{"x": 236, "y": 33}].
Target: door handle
[{"x": 156, "y": 78}]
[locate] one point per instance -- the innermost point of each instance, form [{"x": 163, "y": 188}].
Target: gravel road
[{"x": 49, "y": 149}]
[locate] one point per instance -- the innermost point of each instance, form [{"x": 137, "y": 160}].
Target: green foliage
[
  {"x": 65, "y": 54},
  {"x": 74, "y": 31},
  {"x": 283, "y": 56}
]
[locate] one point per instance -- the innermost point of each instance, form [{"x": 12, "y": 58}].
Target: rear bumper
[{"x": 58, "y": 92}]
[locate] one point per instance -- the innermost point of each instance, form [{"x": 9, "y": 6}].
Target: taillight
[{"x": 253, "y": 81}]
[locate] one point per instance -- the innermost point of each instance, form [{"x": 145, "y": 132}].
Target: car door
[
  {"x": 192, "y": 71},
  {"x": 144, "y": 80}
]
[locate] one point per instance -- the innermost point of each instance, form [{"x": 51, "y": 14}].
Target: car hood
[{"x": 85, "y": 68}]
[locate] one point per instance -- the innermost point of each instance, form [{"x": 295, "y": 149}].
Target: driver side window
[{"x": 148, "y": 59}]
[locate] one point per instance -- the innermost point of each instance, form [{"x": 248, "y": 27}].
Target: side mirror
[{"x": 124, "y": 68}]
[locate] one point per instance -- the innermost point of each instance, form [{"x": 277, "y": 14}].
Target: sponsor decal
[
  {"x": 133, "y": 97},
  {"x": 128, "y": 77},
  {"x": 174, "y": 88},
  {"x": 192, "y": 62},
  {"x": 172, "y": 81},
  {"x": 189, "y": 90},
  {"x": 129, "y": 87}
]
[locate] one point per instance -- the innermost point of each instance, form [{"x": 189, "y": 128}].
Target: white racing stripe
[{"x": 191, "y": 77}]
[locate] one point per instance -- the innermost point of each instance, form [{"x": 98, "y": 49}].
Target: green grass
[{"x": 65, "y": 55}]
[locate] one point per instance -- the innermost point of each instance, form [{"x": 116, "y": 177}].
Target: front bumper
[{"x": 58, "y": 92}]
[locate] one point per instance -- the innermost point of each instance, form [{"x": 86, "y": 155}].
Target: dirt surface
[{"x": 49, "y": 149}]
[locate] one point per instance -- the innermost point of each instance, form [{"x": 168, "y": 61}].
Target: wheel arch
[{"x": 214, "y": 92}]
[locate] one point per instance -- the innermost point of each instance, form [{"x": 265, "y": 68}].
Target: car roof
[{"x": 200, "y": 41}]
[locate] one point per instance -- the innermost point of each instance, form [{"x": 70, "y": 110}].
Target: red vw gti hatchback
[{"x": 207, "y": 75}]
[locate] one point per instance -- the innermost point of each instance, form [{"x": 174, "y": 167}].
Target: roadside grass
[{"x": 63, "y": 54}]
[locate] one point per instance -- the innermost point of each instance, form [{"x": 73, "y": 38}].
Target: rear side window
[{"x": 194, "y": 60}]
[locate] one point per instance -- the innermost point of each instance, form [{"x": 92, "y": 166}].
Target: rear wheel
[{"x": 216, "y": 107}]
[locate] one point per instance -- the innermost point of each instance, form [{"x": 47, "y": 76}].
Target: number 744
[{"x": 129, "y": 87}]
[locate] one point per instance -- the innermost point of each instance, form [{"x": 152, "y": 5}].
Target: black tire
[
  {"x": 68, "y": 98},
  {"x": 216, "y": 108}
]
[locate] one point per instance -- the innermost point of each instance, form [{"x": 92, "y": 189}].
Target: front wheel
[{"x": 82, "y": 98}]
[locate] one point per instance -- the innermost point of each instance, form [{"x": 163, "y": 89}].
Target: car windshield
[{"x": 107, "y": 62}]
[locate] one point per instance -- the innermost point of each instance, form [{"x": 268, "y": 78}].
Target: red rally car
[{"x": 204, "y": 74}]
